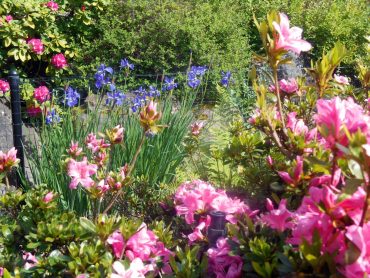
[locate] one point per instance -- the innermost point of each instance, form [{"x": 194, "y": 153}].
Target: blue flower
[
  {"x": 226, "y": 77},
  {"x": 126, "y": 64},
  {"x": 193, "y": 81},
  {"x": 141, "y": 92},
  {"x": 137, "y": 103},
  {"x": 71, "y": 97},
  {"x": 169, "y": 84},
  {"x": 52, "y": 117},
  {"x": 198, "y": 70},
  {"x": 153, "y": 92},
  {"x": 115, "y": 98},
  {"x": 100, "y": 76}
]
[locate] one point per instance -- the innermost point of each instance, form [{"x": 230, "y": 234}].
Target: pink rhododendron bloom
[
  {"x": 80, "y": 173},
  {"x": 36, "y": 46},
  {"x": 298, "y": 171},
  {"x": 59, "y": 61},
  {"x": 33, "y": 111},
  {"x": 279, "y": 219},
  {"x": 117, "y": 242},
  {"x": 8, "y": 160},
  {"x": 8, "y": 18},
  {"x": 196, "y": 128},
  {"x": 4, "y": 86},
  {"x": 289, "y": 38},
  {"x": 30, "y": 260},
  {"x": 74, "y": 150},
  {"x": 288, "y": 86},
  {"x": 335, "y": 115},
  {"x": 221, "y": 264},
  {"x": 136, "y": 270},
  {"x": 102, "y": 186},
  {"x": 41, "y": 94},
  {"x": 48, "y": 197},
  {"x": 297, "y": 126},
  {"x": 101, "y": 158},
  {"x": 52, "y": 5},
  {"x": 341, "y": 79}
]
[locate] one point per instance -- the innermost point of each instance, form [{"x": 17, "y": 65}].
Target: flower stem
[
  {"x": 277, "y": 89},
  {"x": 130, "y": 169}
]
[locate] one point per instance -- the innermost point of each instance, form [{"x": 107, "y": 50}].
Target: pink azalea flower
[
  {"x": 36, "y": 46},
  {"x": 117, "y": 242},
  {"x": 41, "y": 94},
  {"x": 4, "y": 86},
  {"x": 196, "y": 128},
  {"x": 8, "y": 18},
  {"x": 359, "y": 236},
  {"x": 288, "y": 86},
  {"x": 298, "y": 171},
  {"x": 221, "y": 264},
  {"x": 102, "y": 186},
  {"x": 52, "y": 5},
  {"x": 335, "y": 115},
  {"x": 30, "y": 260},
  {"x": 59, "y": 61},
  {"x": 197, "y": 234},
  {"x": 80, "y": 173},
  {"x": 141, "y": 244},
  {"x": 341, "y": 79},
  {"x": 94, "y": 144},
  {"x": 8, "y": 160},
  {"x": 116, "y": 134},
  {"x": 33, "y": 111},
  {"x": 279, "y": 219},
  {"x": 1, "y": 271},
  {"x": 136, "y": 270},
  {"x": 74, "y": 150},
  {"x": 289, "y": 38},
  {"x": 297, "y": 126},
  {"x": 48, "y": 197}
]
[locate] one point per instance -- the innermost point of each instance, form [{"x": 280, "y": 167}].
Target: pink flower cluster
[
  {"x": 41, "y": 94},
  {"x": 59, "y": 61},
  {"x": 196, "y": 128},
  {"x": 4, "y": 86},
  {"x": 81, "y": 173},
  {"x": 341, "y": 79},
  {"x": 280, "y": 218},
  {"x": 8, "y": 160},
  {"x": 335, "y": 117},
  {"x": 199, "y": 198},
  {"x": 52, "y": 5},
  {"x": 36, "y": 46},
  {"x": 141, "y": 247},
  {"x": 221, "y": 263}
]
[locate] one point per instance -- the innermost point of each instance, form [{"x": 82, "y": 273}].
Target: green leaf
[
  {"x": 355, "y": 169},
  {"x": 88, "y": 225},
  {"x": 7, "y": 42}
]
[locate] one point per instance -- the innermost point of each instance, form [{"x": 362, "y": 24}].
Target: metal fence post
[{"x": 15, "y": 101}]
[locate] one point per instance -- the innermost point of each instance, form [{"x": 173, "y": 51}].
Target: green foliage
[
  {"x": 188, "y": 263},
  {"x": 163, "y": 35}
]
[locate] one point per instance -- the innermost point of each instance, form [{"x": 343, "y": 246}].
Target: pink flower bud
[
  {"x": 196, "y": 128},
  {"x": 269, "y": 204},
  {"x": 8, "y": 160},
  {"x": 74, "y": 150},
  {"x": 8, "y": 18},
  {"x": 48, "y": 197},
  {"x": 270, "y": 161}
]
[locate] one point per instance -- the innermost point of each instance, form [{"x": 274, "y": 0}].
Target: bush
[{"x": 163, "y": 35}]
